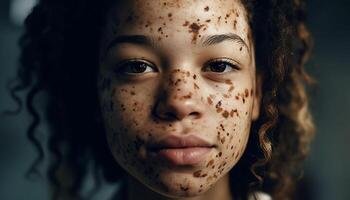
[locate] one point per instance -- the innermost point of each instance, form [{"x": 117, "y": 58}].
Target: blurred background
[{"x": 326, "y": 170}]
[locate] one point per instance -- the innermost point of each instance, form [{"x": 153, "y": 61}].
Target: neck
[{"x": 136, "y": 190}]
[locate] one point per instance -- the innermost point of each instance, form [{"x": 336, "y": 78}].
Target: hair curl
[{"x": 59, "y": 57}]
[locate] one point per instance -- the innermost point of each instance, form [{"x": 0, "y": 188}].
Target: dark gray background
[{"x": 327, "y": 168}]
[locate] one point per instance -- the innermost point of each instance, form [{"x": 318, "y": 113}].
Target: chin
[{"x": 175, "y": 185}]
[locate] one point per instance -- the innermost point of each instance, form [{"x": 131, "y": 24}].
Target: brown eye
[
  {"x": 220, "y": 66},
  {"x": 135, "y": 67}
]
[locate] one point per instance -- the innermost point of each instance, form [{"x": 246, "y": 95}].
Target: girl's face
[{"x": 177, "y": 91}]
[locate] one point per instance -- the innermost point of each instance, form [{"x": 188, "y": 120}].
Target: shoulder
[{"x": 259, "y": 196}]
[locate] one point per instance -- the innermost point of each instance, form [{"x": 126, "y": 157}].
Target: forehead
[{"x": 166, "y": 18}]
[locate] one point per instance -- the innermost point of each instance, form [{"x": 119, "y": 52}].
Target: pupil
[
  {"x": 218, "y": 67},
  {"x": 138, "y": 67}
]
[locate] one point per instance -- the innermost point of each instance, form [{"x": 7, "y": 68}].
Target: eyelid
[
  {"x": 119, "y": 65},
  {"x": 235, "y": 65}
]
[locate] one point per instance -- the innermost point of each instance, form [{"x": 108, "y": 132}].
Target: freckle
[
  {"x": 228, "y": 81},
  {"x": 240, "y": 49},
  {"x": 235, "y": 24},
  {"x": 220, "y": 154},
  {"x": 209, "y": 101},
  {"x": 197, "y": 173},
  {"x": 219, "y": 18},
  {"x": 225, "y": 22},
  {"x": 198, "y": 20},
  {"x": 186, "y": 23},
  {"x": 246, "y": 92},
  {"x": 243, "y": 99},
  {"x": 222, "y": 140},
  {"x": 237, "y": 97},
  {"x": 227, "y": 134},
  {"x": 225, "y": 114},
  {"x": 232, "y": 147},
  {"x": 166, "y": 35},
  {"x": 208, "y": 20},
  {"x": 159, "y": 29},
  {"x": 159, "y": 38},
  {"x": 170, "y": 15},
  {"x": 210, "y": 163},
  {"x": 188, "y": 74},
  {"x": 132, "y": 93},
  {"x": 231, "y": 88},
  {"x": 195, "y": 86},
  {"x": 206, "y": 8}
]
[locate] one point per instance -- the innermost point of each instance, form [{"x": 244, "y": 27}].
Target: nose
[{"x": 178, "y": 99}]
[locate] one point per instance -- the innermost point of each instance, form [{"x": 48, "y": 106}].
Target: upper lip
[{"x": 174, "y": 141}]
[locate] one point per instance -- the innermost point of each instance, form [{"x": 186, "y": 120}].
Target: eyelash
[
  {"x": 225, "y": 61},
  {"x": 122, "y": 66}
]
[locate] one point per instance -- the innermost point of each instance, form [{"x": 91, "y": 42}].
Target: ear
[{"x": 257, "y": 95}]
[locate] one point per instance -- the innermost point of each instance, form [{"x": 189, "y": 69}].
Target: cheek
[{"x": 232, "y": 110}]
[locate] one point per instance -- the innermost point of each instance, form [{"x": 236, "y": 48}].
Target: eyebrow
[
  {"x": 216, "y": 39},
  {"x": 149, "y": 41},
  {"x": 134, "y": 39}
]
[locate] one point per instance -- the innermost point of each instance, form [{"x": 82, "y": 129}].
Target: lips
[{"x": 175, "y": 150}]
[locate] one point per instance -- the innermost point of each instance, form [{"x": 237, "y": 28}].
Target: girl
[{"x": 175, "y": 99}]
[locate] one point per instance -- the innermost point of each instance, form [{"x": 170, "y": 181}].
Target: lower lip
[{"x": 183, "y": 156}]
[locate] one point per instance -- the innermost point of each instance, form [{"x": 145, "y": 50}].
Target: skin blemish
[
  {"x": 197, "y": 173},
  {"x": 240, "y": 49},
  {"x": 218, "y": 107},
  {"x": 206, "y": 8},
  {"x": 211, "y": 162},
  {"x": 195, "y": 86},
  {"x": 183, "y": 188},
  {"x": 194, "y": 77},
  {"x": 246, "y": 92},
  {"x": 132, "y": 93},
  {"x": 208, "y": 20},
  {"x": 228, "y": 81},
  {"x": 186, "y": 23},
  {"x": 235, "y": 24},
  {"x": 231, "y": 88},
  {"x": 225, "y": 114},
  {"x": 170, "y": 14},
  {"x": 194, "y": 29},
  {"x": 210, "y": 102}
]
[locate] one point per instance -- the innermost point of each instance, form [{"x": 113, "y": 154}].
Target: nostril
[{"x": 195, "y": 114}]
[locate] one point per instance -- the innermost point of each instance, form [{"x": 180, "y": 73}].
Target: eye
[
  {"x": 135, "y": 67},
  {"x": 220, "y": 66}
]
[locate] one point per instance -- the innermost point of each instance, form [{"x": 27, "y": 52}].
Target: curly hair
[{"x": 59, "y": 58}]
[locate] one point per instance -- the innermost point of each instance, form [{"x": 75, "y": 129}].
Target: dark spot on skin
[
  {"x": 209, "y": 101},
  {"x": 231, "y": 88},
  {"x": 160, "y": 29},
  {"x": 240, "y": 49},
  {"x": 206, "y": 8},
  {"x": 194, "y": 76},
  {"x": 211, "y": 162},
  {"x": 222, "y": 127},
  {"x": 132, "y": 93},
  {"x": 219, "y": 18},
  {"x": 228, "y": 81},
  {"x": 225, "y": 114},
  {"x": 183, "y": 188},
  {"x": 197, "y": 173},
  {"x": 208, "y": 20},
  {"x": 237, "y": 97},
  {"x": 188, "y": 96},
  {"x": 198, "y": 20},
  {"x": 195, "y": 86},
  {"x": 186, "y": 23},
  {"x": 222, "y": 141},
  {"x": 194, "y": 29},
  {"x": 170, "y": 14},
  {"x": 246, "y": 92},
  {"x": 218, "y": 107},
  {"x": 235, "y": 24},
  {"x": 220, "y": 154}
]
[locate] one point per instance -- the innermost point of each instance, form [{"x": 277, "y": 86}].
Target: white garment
[{"x": 260, "y": 196}]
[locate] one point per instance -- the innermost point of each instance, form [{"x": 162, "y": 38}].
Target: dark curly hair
[{"x": 60, "y": 57}]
